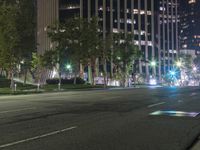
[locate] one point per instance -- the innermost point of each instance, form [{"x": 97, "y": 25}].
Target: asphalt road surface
[{"x": 123, "y": 119}]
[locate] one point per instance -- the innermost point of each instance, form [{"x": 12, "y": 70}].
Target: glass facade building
[
  {"x": 167, "y": 34},
  {"x": 190, "y": 25},
  {"x": 153, "y": 24},
  {"x": 128, "y": 16},
  {"x": 47, "y": 14}
]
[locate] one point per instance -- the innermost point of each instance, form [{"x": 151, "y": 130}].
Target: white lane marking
[
  {"x": 193, "y": 94},
  {"x": 161, "y": 103},
  {"x": 16, "y": 110},
  {"x": 37, "y": 137}
]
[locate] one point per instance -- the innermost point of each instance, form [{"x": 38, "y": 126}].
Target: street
[{"x": 122, "y": 119}]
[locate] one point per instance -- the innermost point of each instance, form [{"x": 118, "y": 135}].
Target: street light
[
  {"x": 68, "y": 70},
  {"x": 194, "y": 68},
  {"x": 153, "y": 67},
  {"x": 178, "y": 63},
  {"x": 118, "y": 58},
  {"x": 172, "y": 73},
  {"x": 68, "y": 66},
  {"x": 153, "y": 63}
]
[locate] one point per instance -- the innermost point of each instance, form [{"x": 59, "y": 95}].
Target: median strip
[{"x": 37, "y": 137}]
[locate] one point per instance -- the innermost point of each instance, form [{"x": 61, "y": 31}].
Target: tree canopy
[{"x": 17, "y": 34}]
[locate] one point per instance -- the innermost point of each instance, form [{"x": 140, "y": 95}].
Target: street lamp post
[
  {"x": 68, "y": 66},
  {"x": 152, "y": 80},
  {"x": 153, "y": 65},
  {"x": 68, "y": 69}
]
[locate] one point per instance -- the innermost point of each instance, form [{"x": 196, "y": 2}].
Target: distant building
[
  {"x": 47, "y": 14},
  {"x": 167, "y": 34},
  {"x": 190, "y": 25}
]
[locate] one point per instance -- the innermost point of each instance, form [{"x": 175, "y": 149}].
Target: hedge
[{"x": 65, "y": 81}]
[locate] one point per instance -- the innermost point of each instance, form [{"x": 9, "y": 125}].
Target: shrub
[
  {"x": 52, "y": 81},
  {"x": 65, "y": 81},
  {"x": 4, "y": 82}
]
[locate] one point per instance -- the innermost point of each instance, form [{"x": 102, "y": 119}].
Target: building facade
[
  {"x": 189, "y": 26},
  {"x": 167, "y": 34},
  {"x": 47, "y": 14},
  {"x": 153, "y": 24},
  {"x": 128, "y": 16}
]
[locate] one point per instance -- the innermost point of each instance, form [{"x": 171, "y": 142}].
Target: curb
[{"x": 196, "y": 145}]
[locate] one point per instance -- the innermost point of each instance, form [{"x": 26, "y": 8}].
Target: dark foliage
[
  {"x": 65, "y": 81},
  {"x": 4, "y": 82}
]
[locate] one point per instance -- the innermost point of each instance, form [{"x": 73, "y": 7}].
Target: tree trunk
[
  {"x": 75, "y": 79},
  {"x": 96, "y": 68},
  {"x": 95, "y": 73},
  {"x": 1, "y": 73},
  {"x": 124, "y": 76},
  {"x": 81, "y": 71},
  {"x": 25, "y": 76},
  {"x": 111, "y": 65},
  {"x": 90, "y": 73},
  {"x": 38, "y": 75},
  {"x": 93, "y": 77},
  {"x": 59, "y": 75},
  {"x": 59, "y": 80},
  {"x": 124, "y": 80},
  {"x": 105, "y": 73},
  {"x": 12, "y": 83}
]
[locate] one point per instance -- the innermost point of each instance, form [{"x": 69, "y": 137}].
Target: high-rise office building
[
  {"x": 153, "y": 24},
  {"x": 127, "y": 16},
  {"x": 167, "y": 34},
  {"x": 190, "y": 25},
  {"x": 47, "y": 14}
]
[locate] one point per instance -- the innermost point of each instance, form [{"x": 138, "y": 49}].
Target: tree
[
  {"x": 106, "y": 55},
  {"x": 17, "y": 21},
  {"x": 65, "y": 37},
  {"x": 197, "y": 62},
  {"x": 186, "y": 61},
  {"x": 26, "y": 27},
  {"x": 125, "y": 52},
  {"x": 183, "y": 69},
  {"x": 36, "y": 65},
  {"x": 60, "y": 36},
  {"x": 9, "y": 39},
  {"x": 196, "y": 68},
  {"x": 186, "y": 67},
  {"x": 90, "y": 46},
  {"x": 76, "y": 40}
]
